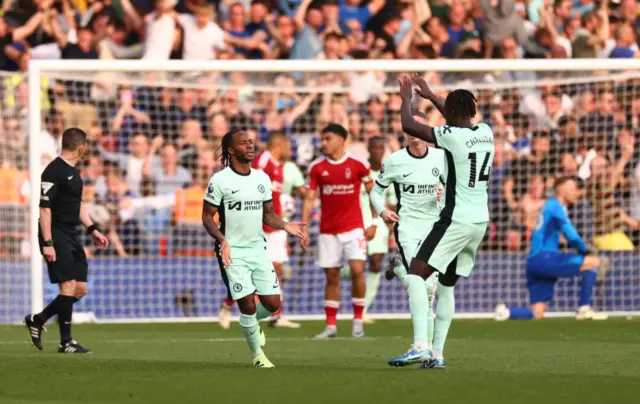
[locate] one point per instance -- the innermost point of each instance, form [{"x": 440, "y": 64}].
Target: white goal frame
[{"x": 37, "y": 67}]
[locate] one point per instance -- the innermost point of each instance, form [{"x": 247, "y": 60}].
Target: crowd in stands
[{"x": 154, "y": 137}]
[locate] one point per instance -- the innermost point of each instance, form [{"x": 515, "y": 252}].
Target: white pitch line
[{"x": 210, "y": 340}]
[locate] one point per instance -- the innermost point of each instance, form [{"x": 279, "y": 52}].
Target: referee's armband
[{"x": 91, "y": 228}]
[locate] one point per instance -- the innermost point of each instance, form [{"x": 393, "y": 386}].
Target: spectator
[
  {"x": 522, "y": 170},
  {"x": 74, "y": 108},
  {"x": 231, "y": 108},
  {"x": 161, "y": 31},
  {"x": 587, "y": 41},
  {"x": 94, "y": 173},
  {"x": 202, "y": 37},
  {"x": 309, "y": 21},
  {"x": 626, "y": 46},
  {"x": 126, "y": 226},
  {"x": 248, "y": 40},
  {"x": 384, "y": 45},
  {"x": 354, "y": 10},
  {"x": 610, "y": 218},
  {"x": 114, "y": 45},
  {"x": 502, "y": 22},
  {"x": 457, "y": 16},
  {"x": 131, "y": 163},
  {"x": 281, "y": 37},
  {"x": 100, "y": 215},
  {"x": 127, "y": 119},
  {"x": 168, "y": 176},
  {"x": 190, "y": 142},
  {"x": 218, "y": 126}
]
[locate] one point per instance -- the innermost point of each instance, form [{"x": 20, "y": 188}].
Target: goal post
[{"x": 168, "y": 283}]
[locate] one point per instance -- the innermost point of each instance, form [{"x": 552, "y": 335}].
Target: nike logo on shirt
[
  {"x": 406, "y": 175},
  {"x": 69, "y": 178},
  {"x": 233, "y": 192}
]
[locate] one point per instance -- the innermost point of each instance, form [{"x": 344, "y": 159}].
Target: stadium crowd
[{"x": 154, "y": 140}]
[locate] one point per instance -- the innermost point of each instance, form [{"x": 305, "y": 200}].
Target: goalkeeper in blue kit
[{"x": 545, "y": 264}]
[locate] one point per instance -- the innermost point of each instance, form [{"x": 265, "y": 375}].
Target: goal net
[{"x": 155, "y": 129}]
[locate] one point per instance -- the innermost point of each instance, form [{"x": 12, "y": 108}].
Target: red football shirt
[
  {"x": 338, "y": 183},
  {"x": 265, "y": 162}
]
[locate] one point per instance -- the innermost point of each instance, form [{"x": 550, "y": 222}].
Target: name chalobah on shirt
[
  {"x": 338, "y": 189},
  {"x": 475, "y": 140}
]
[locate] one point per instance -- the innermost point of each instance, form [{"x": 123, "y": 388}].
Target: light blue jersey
[{"x": 552, "y": 222}]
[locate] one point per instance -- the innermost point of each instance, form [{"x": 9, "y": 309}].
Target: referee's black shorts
[{"x": 71, "y": 261}]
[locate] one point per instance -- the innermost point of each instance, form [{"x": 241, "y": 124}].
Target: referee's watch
[{"x": 48, "y": 243}]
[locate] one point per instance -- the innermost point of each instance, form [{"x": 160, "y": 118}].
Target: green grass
[{"x": 553, "y": 361}]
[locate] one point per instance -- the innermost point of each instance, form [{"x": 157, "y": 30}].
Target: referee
[{"x": 61, "y": 212}]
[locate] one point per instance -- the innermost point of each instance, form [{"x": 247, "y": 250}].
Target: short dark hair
[
  {"x": 276, "y": 134},
  {"x": 560, "y": 181},
  {"x": 73, "y": 138},
  {"x": 337, "y": 129},
  {"x": 376, "y": 138},
  {"x": 460, "y": 103}
]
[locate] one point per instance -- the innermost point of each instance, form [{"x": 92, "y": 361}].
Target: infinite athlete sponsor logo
[
  {"x": 420, "y": 189},
  {"x": 475, "y": 140},
  {"x": 338, "y": 189}
]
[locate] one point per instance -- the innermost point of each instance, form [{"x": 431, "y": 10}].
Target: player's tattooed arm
[
  {"x": 409, "y": 125},
  {"x": 209, "y": 212},
  {"x": 270, "y": 218}
]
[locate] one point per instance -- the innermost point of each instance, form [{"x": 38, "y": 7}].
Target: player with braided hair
[{"x": 241, "y": 196}]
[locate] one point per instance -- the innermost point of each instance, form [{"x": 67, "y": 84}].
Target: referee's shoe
[
  {"x": 35, "y": 331},
  {"x": 72, "y": 346}
]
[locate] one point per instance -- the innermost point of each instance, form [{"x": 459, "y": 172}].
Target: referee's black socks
[
  {"x": 65, "y": 310},
  {"x": 51, "y": 310}
]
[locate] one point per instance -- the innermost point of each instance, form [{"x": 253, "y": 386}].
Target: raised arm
[
  {"x": 27, "y": 29},
  {"x": 409, "y": 125},
  {"x": 425, "y": 92},
  {"x": 300, "y": 14}
]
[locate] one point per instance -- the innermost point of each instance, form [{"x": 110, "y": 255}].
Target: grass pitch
[{"x": 553, "y": 361}]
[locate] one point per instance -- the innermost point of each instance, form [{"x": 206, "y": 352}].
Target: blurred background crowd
[{"x": 154, "y": 137}]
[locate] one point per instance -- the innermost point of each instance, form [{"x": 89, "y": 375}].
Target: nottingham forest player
[
  {"x": 61, "y": 211},
  {"x": 337, "y": 178},
  {"x": 242, "y": 197},
  {"x": 450, "y": 248},
  {"x": 415, "y": 174}
]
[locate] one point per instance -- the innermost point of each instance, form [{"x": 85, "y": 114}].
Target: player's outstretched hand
[
  {"x": 297, "y": 229},
  {"x": 423, "y": 89},
  {"x": 101, "y": 241},
  {"x": 225, "y": 253},
  {"x": 389, "y": 216},
  {"x": 405, "y": 88},
  {"x": 370, "y": 232},
  {"x": 49, "y": 254}
]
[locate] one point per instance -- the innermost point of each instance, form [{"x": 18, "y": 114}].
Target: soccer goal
[{"x": 550, "y": 118}]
